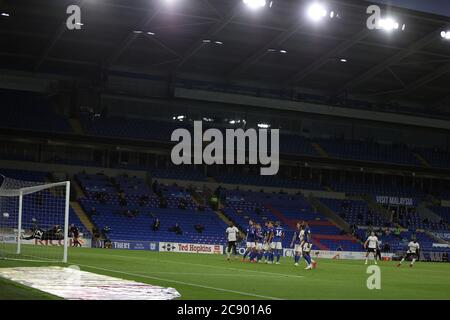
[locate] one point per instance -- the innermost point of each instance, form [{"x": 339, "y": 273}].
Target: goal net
[{"x": 34, "y": 220}]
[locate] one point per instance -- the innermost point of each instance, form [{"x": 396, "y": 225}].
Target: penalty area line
[{"x": 182, "y": 282}]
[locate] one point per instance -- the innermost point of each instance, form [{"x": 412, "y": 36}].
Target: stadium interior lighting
[
  {"x": 208, "y": 119},
  {"x": 4, "y": 14},
  {"x": 283, "y": 51},
  {"x": 389, "y": 24},
  {"x": 206, "y": 41},
  {"x": 255, "y": 4},
  {"x": 218, "y": 43},
  {"x": 151, "y": 33},
  {"x": 343, "y": 60},
  {"x": 263, "y": 125},
  {"x": 445, "y": 35},
  {"x": 237, "y": 121},
  {"x": 137, "y": 31},
  {"x": 317, "y": 11},
  {"x": 170, "y": 2},
  {"x": 179, "y": 118}
]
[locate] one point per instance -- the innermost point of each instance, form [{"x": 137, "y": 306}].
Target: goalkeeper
[{"x": 36, "y": 234}]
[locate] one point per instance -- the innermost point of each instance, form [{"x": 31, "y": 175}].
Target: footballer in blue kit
[
  {"x": 266, "y": 244},
  {"x": 296, "y": 242},
  {"x": 250, "y": 241},
  {"x": 306, "y": 245},
  {"x": 276, "y": 245},
  {"x": 259, "y": 240}
]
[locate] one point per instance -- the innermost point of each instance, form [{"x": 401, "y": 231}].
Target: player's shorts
[
  {"x": 307, "y": 248},
  {"x": 231, "y": 243},
  {"x": 251, "y": 245},
  {"x": 411, "y": 255},
  {"x": 259, "y": 246},
  {"x": 266, "y": 246},
  {"x": 371, "y": 250},
  {"x": 276, "y": 245},
  {"x": 298, "y": 248}
]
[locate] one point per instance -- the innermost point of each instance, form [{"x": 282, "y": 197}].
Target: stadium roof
[{"x": 275, "y": 46}]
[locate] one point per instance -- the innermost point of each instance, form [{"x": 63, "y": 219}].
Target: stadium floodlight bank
[{"x": 34, "y": 220}]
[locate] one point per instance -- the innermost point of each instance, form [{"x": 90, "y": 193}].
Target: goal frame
[{"x": 23, "y": 191}]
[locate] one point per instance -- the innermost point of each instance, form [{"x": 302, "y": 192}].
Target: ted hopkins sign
[
  {"x": 190, "y": 248},
  {"x": 395, "y": 200}
]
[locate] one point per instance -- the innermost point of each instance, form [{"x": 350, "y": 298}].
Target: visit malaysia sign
[{"x": 399, "y": 201}]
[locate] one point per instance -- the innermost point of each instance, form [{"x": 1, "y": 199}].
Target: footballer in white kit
[
  {"x": 412, "y": 253},
  {"x": 232, "y": 234},
  {"x": 371, "y": 245}
]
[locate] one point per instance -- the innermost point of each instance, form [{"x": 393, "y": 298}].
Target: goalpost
[{"x": 34, "y": 220}]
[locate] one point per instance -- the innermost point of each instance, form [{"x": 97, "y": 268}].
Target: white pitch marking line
[
  {"x": 215, "y": 274},
  {"x": 182, "y": 282},
  {"x": 208, "y": 266}
]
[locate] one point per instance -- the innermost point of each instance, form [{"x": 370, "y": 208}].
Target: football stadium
[{"x": 225, "y": 150}]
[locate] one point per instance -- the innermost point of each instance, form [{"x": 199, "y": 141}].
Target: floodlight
[
  {"x": 255, "y": 4},
  {"x": 388, "y": 24},
  {"x": 4, "y": 14},
  {"x": 317, "y": 11}
]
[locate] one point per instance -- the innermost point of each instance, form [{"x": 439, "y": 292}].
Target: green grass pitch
[{"x": 200, "y": 276}]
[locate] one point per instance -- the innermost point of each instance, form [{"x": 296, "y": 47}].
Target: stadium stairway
[
  {"x": 436, "y": 238},
  {"x": 76, "y": 126},
  {"x": 280, "y": 216},
  {"x": 82, "y": 215},
  {"x": 199, "y": 199},
  {"x": 292, "y": 224},
  {"x": 422, "y": 160},
  {"x": 322, "y": 241},
  {"x": 424, "y": 212},
  {"x": 333, "y": 218},
  {"x": 330, "y": 214},
  {"x": 372, "y": 204},
  {"x": 320, "y": 150},
  {"x": 78, "y": 190}
]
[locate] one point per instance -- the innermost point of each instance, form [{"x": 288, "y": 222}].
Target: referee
[{"x": 232, "y": 233}]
